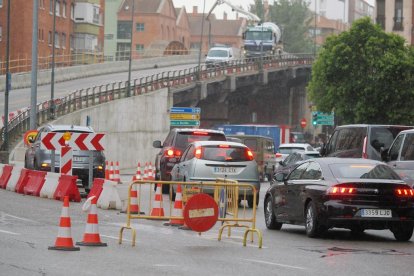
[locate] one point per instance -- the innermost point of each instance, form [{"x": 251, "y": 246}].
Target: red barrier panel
[
  {"x": 35, "y": 183},
  {"x": 67, "y": 187},
  {"x": 23, "y": 179},
  {"x": 4, "y": 178},
  {"x": 97, "y": 187}
]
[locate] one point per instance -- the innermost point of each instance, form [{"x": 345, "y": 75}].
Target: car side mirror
[
  {"x": 384, "y": 154},
  {"x": 157, "y": 144}
]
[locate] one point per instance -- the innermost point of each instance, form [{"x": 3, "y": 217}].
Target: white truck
[
  {"x": 262, "y": 40},
  {"x": 221, "y": 56}
]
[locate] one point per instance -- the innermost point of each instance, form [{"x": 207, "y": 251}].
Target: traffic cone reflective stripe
[
  {"x": 111, "y": 171},
  {"x": 91, "y": 236},
  {"x": 178, "y": 208},
  {"x": 146, "y": 171},
  {"x": 64, "y": 239},
  {"x": 117, "y": 177},
  {"x": 157, "y": 209},
  {"x": 134, "y": 207}
]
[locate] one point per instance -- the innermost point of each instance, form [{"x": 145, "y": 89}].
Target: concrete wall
[{"x": 130, "y": 126}]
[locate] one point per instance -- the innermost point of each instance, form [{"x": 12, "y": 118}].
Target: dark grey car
[{"x": 39, "y": 159}]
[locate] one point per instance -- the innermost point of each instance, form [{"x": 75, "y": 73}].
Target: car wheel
[
  {"x": 250, "y": 200},
  {"x": 312, "y": 226},
  {"x": 270, "y": 218},
  {"x": 403, "y": 232}
]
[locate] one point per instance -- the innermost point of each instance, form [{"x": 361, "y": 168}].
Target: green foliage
[
  {"x": 365, "y": 75},
  {"x": 293, "y": 17}
]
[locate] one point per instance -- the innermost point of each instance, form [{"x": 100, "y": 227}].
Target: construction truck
[{"x": 262, "y": 39}]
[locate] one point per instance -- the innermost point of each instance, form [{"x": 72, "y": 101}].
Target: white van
[{"x": 221, "y": 56}]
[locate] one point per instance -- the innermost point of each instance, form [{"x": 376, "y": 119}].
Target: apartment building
[{"x": 396, "y": 16}]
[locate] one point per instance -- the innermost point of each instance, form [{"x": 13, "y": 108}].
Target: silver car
[
  {"x": 209, "y": 160},
  {"x": 39, "y": 159}
]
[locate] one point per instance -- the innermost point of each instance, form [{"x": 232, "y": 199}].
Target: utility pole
[
  {"x": 198, "y": 75},
  {"x": 33, "y": 98},
  {"x": 52, "y": 77}
]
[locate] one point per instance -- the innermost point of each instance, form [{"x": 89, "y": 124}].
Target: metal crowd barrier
[{"x": 232, "y": 217}]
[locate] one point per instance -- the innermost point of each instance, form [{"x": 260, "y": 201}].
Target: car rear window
[
  {"x": 311, "y": 155},
  {"x": 185, "y": 138},
  {"x": 365, "y": 171},
  {"x": 228, "y": 154},
  {"x": 383, "y": 136}
]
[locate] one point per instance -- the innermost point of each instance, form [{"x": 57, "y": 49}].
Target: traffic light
[{"x": 314, "y": 118}]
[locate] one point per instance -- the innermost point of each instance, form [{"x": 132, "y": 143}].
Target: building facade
[{"x": 396, "y": 16}]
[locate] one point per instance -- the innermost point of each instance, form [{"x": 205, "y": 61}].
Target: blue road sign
[{"x": 185, "y": 110}]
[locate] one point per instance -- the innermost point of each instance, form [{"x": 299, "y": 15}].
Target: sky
[{"x": 335, "y": 12}]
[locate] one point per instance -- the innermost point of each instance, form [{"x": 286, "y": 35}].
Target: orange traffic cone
[
  {"x": 134, "y": 206},
  {"x": 137, "y": 175},
  {"x": 111, "y": 171},
  {"x": 157, "y": 209},
  {"x": 178, "y": 208},
  {"x": 117, "y": 177},
  {"x": 150, "y": 172},
  {"x": 91, "y": 236},
  {"x": 106, "y": 170},
  {"x": 64, "y": 240},
  {"x": 146, "y": 171}
]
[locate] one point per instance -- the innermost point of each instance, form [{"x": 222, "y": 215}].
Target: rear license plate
[
  {"x": 224, "y": 170},
  {"x": 376, "y": 213},
  {"x": 80, "y": 159}
]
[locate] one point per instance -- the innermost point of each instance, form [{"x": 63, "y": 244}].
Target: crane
[{"x": 252, "y": 17}]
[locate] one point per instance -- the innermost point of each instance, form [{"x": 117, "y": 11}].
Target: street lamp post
[
  {"x": 130, "y": 49},
  {"x": 201, "y": 42},
  {"x": 6, "y": 93},
  {"x": 52, "y": 77},
  {"x": 33, "y": 98}
]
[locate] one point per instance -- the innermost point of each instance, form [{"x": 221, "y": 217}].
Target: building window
[
  {"x": 71, "y": 41},
  {"x": 63, "y": 41},
  {"x": 41, "y": 4},
  {"x": 124, "y": 30},
  {"x": 64, "y": 8},
  {"x": 96, "y": 14},
  {"x": 57, "y": 40},
  {"x": 139, "y": 47},
  {"x": 51, "y": 6},
  {"x": 398, "y": 16},
  {"x": 1, "y": 31},
  {"x": 380, "y": 20},
  {"x": 1, "y": 3},
  {"x": 139, "y": 27},
  {"x": 57, "y": 8},
  {"x": 85, "y": 42},
  {"x": 49, "y": 38},
  {"x": 72, "y": 12}
]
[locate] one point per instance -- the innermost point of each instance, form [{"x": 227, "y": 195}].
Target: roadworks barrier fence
[{"x": 198, "y": 206}]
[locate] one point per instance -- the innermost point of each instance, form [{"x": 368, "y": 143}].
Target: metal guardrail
[{"x": 92, "y": 96}]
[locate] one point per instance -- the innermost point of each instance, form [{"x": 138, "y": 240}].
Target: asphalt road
[{"x": 29, "y": 225}]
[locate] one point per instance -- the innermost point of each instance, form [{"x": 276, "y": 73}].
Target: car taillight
[
  {"x": 404, "y": 192},
  {"x": 224, "y": 146},
  {"x": 364, "y": 148},
  {"x": 200, "y": 133},
  {"x": 342, "y": 190},
  {"x": 197, "y": 152},
  {"x": 249, "y": 155},
  {"x": 278, "y": 155},
  {"x": 172, "y": 153}
]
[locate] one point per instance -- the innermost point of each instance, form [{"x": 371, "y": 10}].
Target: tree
[
  {"x": 294, "y": 18},
  {"x": 365, "y": 75}
]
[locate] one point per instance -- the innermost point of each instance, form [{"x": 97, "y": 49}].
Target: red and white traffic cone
[
  {"x": 157, "y": 208},
  {"x": 137, "y": 175},
  {"x": 178, "y": 209},
  {"x": 111, "y": 171},
  {"x": 64, "y": 240},
  {"x": 117, "y": 177},
  {"x": 146, "y": 171},
  {"x": 91, "y": 236},
  {"x": 150, "y": 175},
  {"x": 107, "y": 170}
]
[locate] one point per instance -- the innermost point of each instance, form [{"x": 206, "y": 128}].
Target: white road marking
[
  {"x": 11, "y": 216},
  {"x": 115, "y": 238},
  {"x": 8, "y": 232},
  {"x": 275, "y": 264}
]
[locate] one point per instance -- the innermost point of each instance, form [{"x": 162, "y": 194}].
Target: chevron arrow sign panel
[{"x": 78, "y": 141}]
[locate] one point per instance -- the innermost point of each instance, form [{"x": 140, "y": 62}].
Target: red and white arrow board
[{"x": 78, "y": 141}]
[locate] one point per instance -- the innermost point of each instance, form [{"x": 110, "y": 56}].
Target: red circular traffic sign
[
  {"x": 303, "y": 122},
  {"x": 200, "y": 212}
]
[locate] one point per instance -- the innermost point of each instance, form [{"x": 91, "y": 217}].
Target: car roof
[
  {"x": 408, "y": 131},
  {"x": 371, "y": 125},
  {"x": 70, "y": 128},
  {"x": 197, "y": 129},
  {"x": 338, "y": 160},
  {"x": 295, "y": 145},
  {"x": 214, "y": 143},
  {"x": 249, "y": 136}
]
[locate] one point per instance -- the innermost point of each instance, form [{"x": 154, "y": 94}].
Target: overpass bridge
[{"x": 265, "y": 91}]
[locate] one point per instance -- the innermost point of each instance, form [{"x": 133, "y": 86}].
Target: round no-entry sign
[
  {"x": 200, "y": 212},
  {"x": 303, "y": 122}
]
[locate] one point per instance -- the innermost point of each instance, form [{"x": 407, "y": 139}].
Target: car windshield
[
  {"x": 218, "y": 53},
  {"x": 228, "y": 154},
  {"x": 365, "y": 171},
  {"x": 290, "y": 150},
  {"x": 185, "y": 138}
]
